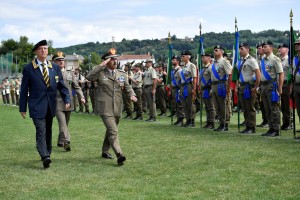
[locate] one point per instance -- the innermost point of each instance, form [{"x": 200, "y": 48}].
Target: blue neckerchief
[
  {"x": 203, "y": 79},
  {"x": 296, "y": 60},
  {"x": 185, "y": 88},
  {"x": 240, "y": 70},
  {"x": 183, "y": 77},
  {"x": 263, "y": 69},
  {"x": 217, "y": 75},
  {"x": 173, "y": 78}
]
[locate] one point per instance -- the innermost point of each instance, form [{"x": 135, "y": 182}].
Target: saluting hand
[{"x": 105, "y": 62}]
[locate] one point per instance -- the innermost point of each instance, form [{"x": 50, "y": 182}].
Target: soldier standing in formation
[
  {"x": 205, "y": 82},
  {"x": 188, "y": 81},
  {"x": 160, "y": 90},
  {"x": 283, "y": 50},
  {"x": 175, "y": 87},
  {"x": 150, "y": 80},
  {"x": 261, "y": 54},
  {"x": 221, "y": 77},
  {"x": 249, "y": 78},
  {"x": 271, "y": 88},
  {"x": 136, "y": 82},
  {"x": 126, "y": 100},
  {"x": 296, "y": 73},
  {"x": 111, "y": 82}
]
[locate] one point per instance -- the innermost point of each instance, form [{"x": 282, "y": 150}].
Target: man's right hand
[
  {"x": 23, "y": 114},
  {"x": 105, "y": 62}
]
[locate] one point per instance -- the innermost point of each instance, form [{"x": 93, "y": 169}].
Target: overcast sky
[{"x": 80, "y": 21}]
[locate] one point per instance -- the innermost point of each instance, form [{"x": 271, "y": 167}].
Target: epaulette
[
  {"x": 277, "y": 59},
  {"x": 120, "y": 70}
]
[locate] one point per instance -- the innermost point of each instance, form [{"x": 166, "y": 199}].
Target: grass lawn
[{"x": 163, "y": 162}]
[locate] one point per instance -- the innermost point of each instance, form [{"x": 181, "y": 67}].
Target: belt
[
  {"x": 268, "y": 82},
  {"x": 160, "y": 85},
  {"x": 146, "y": 86},
  {"x": 137, "y": 88},
  {"x": 182, "y": 84},
  {"x": 205, "y": 87},
  {"x": 218, "y": 82},
  {"x": 245, "y": 83}
]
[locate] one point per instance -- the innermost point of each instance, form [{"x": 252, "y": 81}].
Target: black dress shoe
[
  {"x": 209, "y": 125},
  {"x": 286, "y": 127},
  {"x": 60, "y": 145},
  {"x": 67, "y": 146},
  {"x": 107, "y": 155},
  {"x": 248, "y": 131},
  {"x": 46, "y": 162},
  {"x": 121, "y": 160},
  {"x": 138, "y": 117},
  {"x": 273, "y": 134}
]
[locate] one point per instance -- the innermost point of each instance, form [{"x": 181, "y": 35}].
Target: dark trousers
[
  {"x": 285, "y": 105},
  {"x": 43, "y": 127}
]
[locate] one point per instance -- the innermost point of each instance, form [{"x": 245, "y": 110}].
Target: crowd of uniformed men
[{"x": 265, "y": 83}]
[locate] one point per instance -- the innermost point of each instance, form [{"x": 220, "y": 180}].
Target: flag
[
  {"x": 292, "y": 51},
  {"x": 201, "y": 51},
  {"x": 236, "y": 57},
  {"x": 169, "y": 69}
]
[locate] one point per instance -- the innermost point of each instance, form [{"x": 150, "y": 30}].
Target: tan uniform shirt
[
  {"x": 248, "y": 69},
  {"x": 108, "y": 99},
  {"x": 138, "y": 76},
  {"x": 206, "y": 74},
  {"x": 273, "y": 67},
  {"x": 189, "y": 71},
  {"x": 70, "y": 82},
  {"x": 286, "y": 67},
  {"x": 222, "y": 67},
  {"x": 160, "y": 76},
  {"x": 149, "y": 75}
]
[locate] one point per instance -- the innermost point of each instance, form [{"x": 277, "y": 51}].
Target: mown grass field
[{"x": 163, "y": 162}]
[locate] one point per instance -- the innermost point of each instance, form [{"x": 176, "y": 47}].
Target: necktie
[{"x": 45, "y": 75}]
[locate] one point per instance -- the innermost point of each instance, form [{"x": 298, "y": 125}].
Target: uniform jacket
[
  {"x": 70, "y": 83},
  {"x": 35, "y": 92},
  {"x": 108, "y": 99}
]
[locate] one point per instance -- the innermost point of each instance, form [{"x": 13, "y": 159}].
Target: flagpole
[
  {"x": 169, "y": 73},
  {"x": 292, "y": 75},
  {"x": 237, "y": 82},
  {"x": 200, "y": 68}
]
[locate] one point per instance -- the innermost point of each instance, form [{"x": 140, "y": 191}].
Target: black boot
[
  {"x": 179, "y": 121},
  {"x": 187, "y": 123},
  {"x": 210, "y": 125},
  {"x": 138, "y": 117}
]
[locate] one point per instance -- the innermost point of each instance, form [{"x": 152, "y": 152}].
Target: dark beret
[
  {"x": 176, "y": 57},
  {"x": 283, "y": 45},
  {"x": 259, "y": 45},
  {"x": 40, "y": 43},
  {"x": 267, "y": 43},
  {"x": 111, "y": 53},
  {"x": 188, "y": 53},
  {"x": 219, "y": 47},
  {"x": 207, "y": 54},
  {"x": 243, "y": 44}
]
